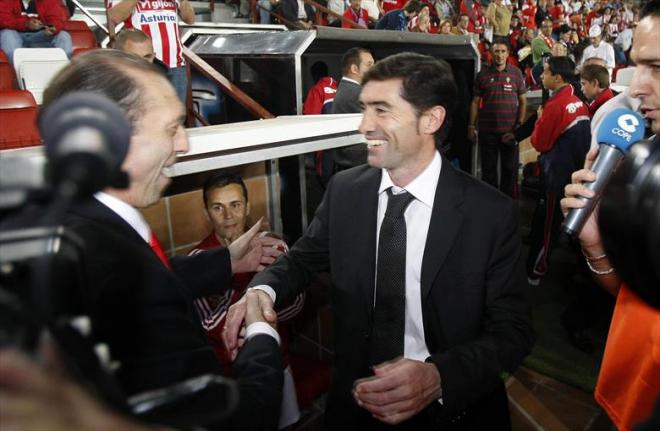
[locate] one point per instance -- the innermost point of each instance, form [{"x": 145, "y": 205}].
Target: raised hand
[
  {"x": 253, "y": 251},
  {"x": 589, "y": 237}
]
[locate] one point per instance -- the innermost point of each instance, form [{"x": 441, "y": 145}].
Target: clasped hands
[
  {"x": 398, "y": 390},
  {"x": 255, "y": 306},
  {"x": 34, "y": 24}
]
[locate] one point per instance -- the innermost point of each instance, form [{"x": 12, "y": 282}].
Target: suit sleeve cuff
[
  {"x": 430, "y": 361},
  {"x": 257, "y": 328},
  {"x": 269, "y": 290}
]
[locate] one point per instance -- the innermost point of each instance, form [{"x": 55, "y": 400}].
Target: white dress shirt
[
  {"x": 418, "y": 219},
  {"x": 302, "y": 13},
  {"x": 135, "y": 219}
]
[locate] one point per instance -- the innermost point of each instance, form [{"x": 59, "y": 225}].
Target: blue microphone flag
[{"x": 621, "y": 128}]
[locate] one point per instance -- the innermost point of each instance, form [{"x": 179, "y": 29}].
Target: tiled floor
[{"x": 562, "y": 406}]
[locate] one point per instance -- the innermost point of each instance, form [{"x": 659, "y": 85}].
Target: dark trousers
[
  {"x": 546, "y": 222},
  {"x": 491, "y": 146}
]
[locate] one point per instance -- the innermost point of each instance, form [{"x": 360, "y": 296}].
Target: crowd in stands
[{"x": 533, "y": 29}]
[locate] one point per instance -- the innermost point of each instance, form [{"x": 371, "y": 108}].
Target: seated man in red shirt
[
  {"x": 595, "y": 80},
  {"x": 356, "y": 13},
  {"x": 227, "y": 208},
  {"x": 33, "y": 24}
]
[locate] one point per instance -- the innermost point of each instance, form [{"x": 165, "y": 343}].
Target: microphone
[
  {"x": 86, "y": 139},
  {"x": 619, "y": 130}
]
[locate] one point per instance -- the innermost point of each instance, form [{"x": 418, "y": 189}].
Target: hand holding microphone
[{"x": 619, "y": 130}]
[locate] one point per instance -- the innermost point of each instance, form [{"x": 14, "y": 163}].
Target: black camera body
[{"x": 630, "y": 220}]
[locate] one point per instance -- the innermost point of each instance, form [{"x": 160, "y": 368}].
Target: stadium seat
[
  {"x": 7, "y": 77},
  {"x": 35, "y": 67},
  {"x": 79, "y": 51},
  {"x": 18, "y": 112},
  {"x": 83, "y": 38}
]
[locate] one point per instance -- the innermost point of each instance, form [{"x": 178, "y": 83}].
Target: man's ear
[
  {"x": 433, "y": 119},
  {"x": 247, "y": 209}
]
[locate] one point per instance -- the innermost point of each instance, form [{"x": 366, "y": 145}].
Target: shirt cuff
[
  {"x": 257, "y": 328},
  {"x": 269, "y": 290}
]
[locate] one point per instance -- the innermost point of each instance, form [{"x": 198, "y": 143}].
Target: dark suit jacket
[
  {"x": 474, "y": 296},
  {"x": 290, "y": 11},
  {"x": 346, "y": 102},
  {"x": 143, "y": 312}
]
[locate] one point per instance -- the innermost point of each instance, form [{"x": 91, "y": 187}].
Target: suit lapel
[
  {"x": 446, "y": 220},
  {"x": 95, "y": 210},
  {"x": 364, "y": 232}
]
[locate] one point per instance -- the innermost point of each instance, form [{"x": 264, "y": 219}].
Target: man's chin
[{"x": 374, "y": 161}]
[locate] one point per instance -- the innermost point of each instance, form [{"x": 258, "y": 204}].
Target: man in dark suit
[
  {"x": 298, "y": 19},
  {"x": 451, "y": 310},
  {"x": 354, "y": 64},
  {"x": 139, "y": 302}
]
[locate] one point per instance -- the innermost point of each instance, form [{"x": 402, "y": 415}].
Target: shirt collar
[
  {"x": 422, "y": 188},
  {"x": 556, "y": 92},
  {"x": 343, "y": 78},
  {"x": 493, "y": 68},
  {"x": 127, "y": 213}
]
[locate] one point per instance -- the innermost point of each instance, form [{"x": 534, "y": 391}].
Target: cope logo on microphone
[{"x": 627, "y": 125}]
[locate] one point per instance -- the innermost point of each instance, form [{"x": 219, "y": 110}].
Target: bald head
[{"x": 136, "y": 42}]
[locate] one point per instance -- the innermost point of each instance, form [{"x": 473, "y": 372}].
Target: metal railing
[{"x": 203, "y": 67}]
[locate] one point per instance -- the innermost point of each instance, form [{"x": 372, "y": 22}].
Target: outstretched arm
[{"x": 121, "y": 11}]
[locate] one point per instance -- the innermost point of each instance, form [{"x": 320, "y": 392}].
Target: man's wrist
[
  {"x": 265, "y": 288},
  {"x": 256, "y": 328},
  {"x": 435, "y": 373}
]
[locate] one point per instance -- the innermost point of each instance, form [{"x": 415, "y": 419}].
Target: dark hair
[
  {"x": 106, "y": 72},
  {"x": 564, "y": 28},
  {"x": 220, "y": 180},
  {"x": 318, "y": 70},
  {"x": 413, "y": 6},
  {"x": 132, "y": 34},
  {"x": 426, "y": 82},
  {"x": 651, "y": 8},
  {"x": 596, "y": 72},
  {"x": 562, "y": 66},
  {"x": 351, "y": 58},
  {"x": 501, "y": 41}
]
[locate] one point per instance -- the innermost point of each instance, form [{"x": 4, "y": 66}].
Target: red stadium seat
[
  {"x": 7, "y": 75},
  {"x": 79, "y": 51},
  {"x": 83, "y": 38},
  {"x": 18, "y": 112}
]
